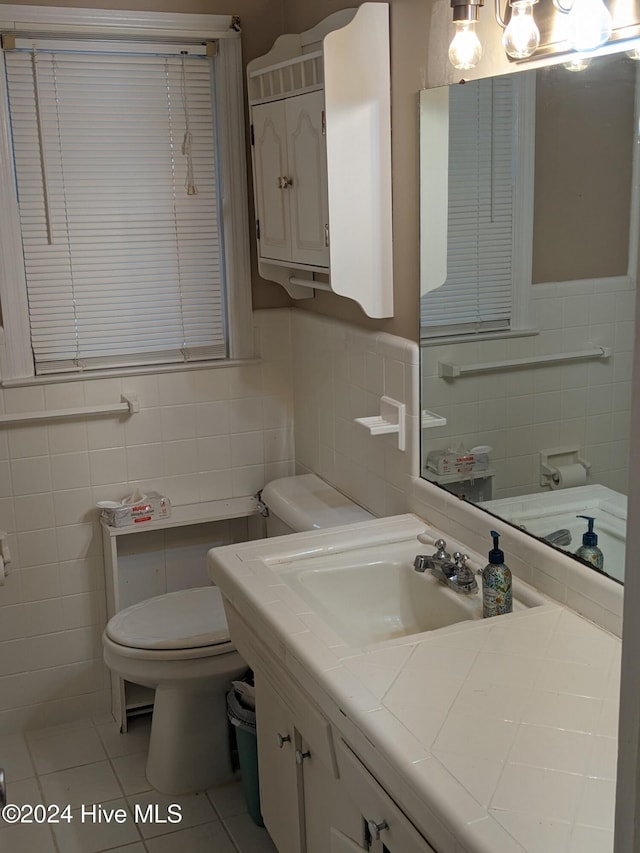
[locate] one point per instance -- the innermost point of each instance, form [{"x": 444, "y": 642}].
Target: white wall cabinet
[{"x": 319, "y": 107}]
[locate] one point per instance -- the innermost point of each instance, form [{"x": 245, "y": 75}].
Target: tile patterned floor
[{"x": 90, "y": 763}]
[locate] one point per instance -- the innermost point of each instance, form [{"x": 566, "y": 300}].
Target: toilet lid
[{"x": 187, "y": 619}]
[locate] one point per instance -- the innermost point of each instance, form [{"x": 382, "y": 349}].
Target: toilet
[{"x": 179, "y": 644}]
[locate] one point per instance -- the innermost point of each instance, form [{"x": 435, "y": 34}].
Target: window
[
  {"x": 487, "y": 265},
  {"x": 119, "y": 166}
]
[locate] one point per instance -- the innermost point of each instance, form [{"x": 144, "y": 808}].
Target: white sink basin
[{"x": 371, "y": 595}]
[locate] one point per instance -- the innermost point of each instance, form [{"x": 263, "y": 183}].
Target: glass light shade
[
  {"x": 589, "y": 24},
  {"x": 522, "y": 36},
  {"x": 465, "y": 49}
]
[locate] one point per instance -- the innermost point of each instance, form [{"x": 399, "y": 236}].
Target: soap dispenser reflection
[{"x": 589, "y": 551}]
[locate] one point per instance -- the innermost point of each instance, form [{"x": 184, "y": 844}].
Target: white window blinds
[
  {"x": 116, "y": 175},
  {"x": 477, "y": 293}
]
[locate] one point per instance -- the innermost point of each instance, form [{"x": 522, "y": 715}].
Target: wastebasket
[{"x": 244, "y": 721}]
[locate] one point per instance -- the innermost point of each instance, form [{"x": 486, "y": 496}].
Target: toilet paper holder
[{"x": 558, "y": 457}]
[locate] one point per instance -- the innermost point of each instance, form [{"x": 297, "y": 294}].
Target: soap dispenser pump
[
  {"x": 589, "y": 550},
  {"x": 496, "y": 582}
]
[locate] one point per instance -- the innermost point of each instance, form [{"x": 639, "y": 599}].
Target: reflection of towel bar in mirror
[{"x": 446, "y": 370}]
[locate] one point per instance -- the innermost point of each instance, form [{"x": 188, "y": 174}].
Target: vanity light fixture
[
  {"x": 588, "y": 25},
  {"x": 465, "y": 49}
]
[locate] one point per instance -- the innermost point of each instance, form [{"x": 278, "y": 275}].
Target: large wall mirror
[{"x": 529, "y": 233}]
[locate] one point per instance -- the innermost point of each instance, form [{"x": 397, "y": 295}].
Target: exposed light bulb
[
  {"x": 521, "y": 37},
  {"x": 577, "y": 63},
  {"x": 589, "y": 24},
  {"x": 465, "y": 49}
]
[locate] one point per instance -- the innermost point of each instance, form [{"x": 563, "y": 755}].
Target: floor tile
[
  {"x": 91, "y": 783},
  {"x": 228, "y": 800},
  {"x": 24, "y": 792},
  {"x": 194, "y": 808},
  {"x": 136, "y": 739},
  {"x": 27, "y": 839},
  {"x": 247, "y": 836},
  {"x": 14, "y": 757},
  {"x": 130, "y": 770},
  {"x": 87, "y": 834},
  {"x": 70, "y": 749},
  {"x": 207, "y": 838}
]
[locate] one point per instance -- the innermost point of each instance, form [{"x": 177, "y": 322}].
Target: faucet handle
[{"x": 441, "y": 550}]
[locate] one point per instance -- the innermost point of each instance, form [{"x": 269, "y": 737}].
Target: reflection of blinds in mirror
[{"x": 477, "y": 293}]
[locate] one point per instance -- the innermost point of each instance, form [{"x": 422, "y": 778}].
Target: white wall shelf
[{"x": 127, "y": 698}]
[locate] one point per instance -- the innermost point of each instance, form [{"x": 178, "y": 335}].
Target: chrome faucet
[{"x": 455, "y": 574}]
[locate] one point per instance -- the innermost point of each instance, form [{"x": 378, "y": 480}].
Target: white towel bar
[
  {"x": 446, "y": 370},
  {"x": 129, "y": 405}
]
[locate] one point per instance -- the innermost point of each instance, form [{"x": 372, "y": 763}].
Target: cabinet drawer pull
[
  {"x": 3, "y": 789},
  {"x": 300, "y": 756},
  {"x": 376, "y": 828},
  {"x": 282, "y": 739}
]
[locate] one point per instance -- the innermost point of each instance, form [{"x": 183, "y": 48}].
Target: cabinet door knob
[
  {"x": 282, "y": 739},
  {"x": 284, "y": 182},
  {"x": 300, "y": 756},
  {"x": 376, "y": 828}
]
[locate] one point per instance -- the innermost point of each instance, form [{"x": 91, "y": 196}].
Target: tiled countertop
[{"x": 497, "y": 736}]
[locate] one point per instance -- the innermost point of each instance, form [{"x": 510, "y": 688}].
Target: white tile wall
[
  {"x": 200, "y": 435},
  {"x": 521, "y": 412},
  {"x": 339, "y": 374}
]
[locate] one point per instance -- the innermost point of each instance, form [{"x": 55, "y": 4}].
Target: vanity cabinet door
[
  {"x": 328, "y": 808},
  {"x": 388, "y": 829},
  {"x": 280, "y": 776}
]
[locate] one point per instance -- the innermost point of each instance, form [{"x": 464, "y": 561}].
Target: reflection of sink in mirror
[
  {"x": 547, "y": 512},
  {"x": 372, "y": 595}
]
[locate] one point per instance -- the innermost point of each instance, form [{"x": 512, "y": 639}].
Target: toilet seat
[{"x": 178, "y": 625}]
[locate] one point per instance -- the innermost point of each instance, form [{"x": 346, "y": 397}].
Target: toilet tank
[{"x": 305, "y": 502}]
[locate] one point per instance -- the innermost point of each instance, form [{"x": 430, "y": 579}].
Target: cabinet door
[
  {"x": 388, "y": 828},
  {"x": 280, "y": 776},
  {"x": 270, "y": 169},
  {"x": 307, "y": 162},
  {"x": 328, "y": 808}
]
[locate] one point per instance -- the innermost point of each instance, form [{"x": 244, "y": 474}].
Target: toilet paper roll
[{"x": 566, "y": 476}]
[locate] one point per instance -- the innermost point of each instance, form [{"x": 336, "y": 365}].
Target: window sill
[
  {"x": 56, "y": 378},
  {"x": 481, "y": 336}
]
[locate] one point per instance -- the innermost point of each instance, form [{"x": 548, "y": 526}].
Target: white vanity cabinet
[
  {"x": 319, "y": 105},
  {"x": 316, "y": 795}
]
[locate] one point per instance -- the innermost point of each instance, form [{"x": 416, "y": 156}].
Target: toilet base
[{"x": 189, "y": 747}]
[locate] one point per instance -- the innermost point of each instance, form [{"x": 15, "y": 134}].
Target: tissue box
[{"x": 149, "y": 507}]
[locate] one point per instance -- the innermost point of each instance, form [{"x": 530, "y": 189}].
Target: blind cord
[{"x": 189, "y": 183}]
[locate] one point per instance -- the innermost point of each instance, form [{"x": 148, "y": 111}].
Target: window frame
[{"x": 16, "y": 361}]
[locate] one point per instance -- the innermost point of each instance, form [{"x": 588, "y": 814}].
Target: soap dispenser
[
  {"x": 589, "y": 550},
  {"x": 496, "y": 582}
]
